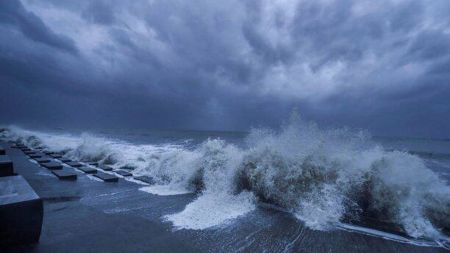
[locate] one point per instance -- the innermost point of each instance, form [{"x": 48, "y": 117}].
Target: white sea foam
[
  {"x": 321, "y": 176},
  {"x": 164, "y": 190},
  {"x": 211, "y": 210}
]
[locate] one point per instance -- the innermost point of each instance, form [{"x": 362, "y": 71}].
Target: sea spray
[{"x": 322, "y": 176}]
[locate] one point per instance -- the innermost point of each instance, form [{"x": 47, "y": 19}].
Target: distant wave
[{"x": 323, "y": 177}]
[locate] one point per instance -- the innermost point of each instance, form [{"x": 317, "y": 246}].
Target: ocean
[{"x": 282, "y": 190}]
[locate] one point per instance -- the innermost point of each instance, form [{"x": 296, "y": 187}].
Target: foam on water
[
  {"x": 164, "y": 190},
  {"x": 200, "y": 214},
  {"x": 322, "y": 176}
]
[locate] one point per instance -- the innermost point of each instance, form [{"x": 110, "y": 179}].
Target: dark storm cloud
[
  {"x": 13, "y": 13},
  {"x": 380, "y": 65},
  {"x": 99, "y": 12}
]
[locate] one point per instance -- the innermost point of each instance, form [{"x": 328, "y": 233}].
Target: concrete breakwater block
[
  {"x": 65, "y": 174},
  {"x": 52, "y": 165},
  {"x": 106, "y": 177},
  {"x": 6, "y": 166},
  {"x": 127, "y": 167},
  {"x": 105, "y": 167},
  {"x": 43, "y": 160},
  {"x": 123, "y": 173},
  {"x": 145, "y": 179},
  {"x": 88, "y": 170},
  {"x": 21, "y": 212},
  {"x": 74, "y": 164},
  {"x": 36, "y": 155},
  {"x": 64, "y": 160}
]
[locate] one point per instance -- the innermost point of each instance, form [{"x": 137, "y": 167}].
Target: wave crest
[{"x": 323, "y": 177}]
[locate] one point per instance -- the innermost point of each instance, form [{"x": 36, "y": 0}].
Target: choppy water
[{"x": 326, "y": 178}]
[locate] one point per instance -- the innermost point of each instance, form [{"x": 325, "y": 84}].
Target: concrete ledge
[
  {"x": 123, "y": 173},
  {"x": 87, "y": 170},
  {"x": 106, "y": 177},
  {"x": 21, "y": 212},
  {"x": 43, "y": 160},
  {"x": 145, "y": 179},
  {"x": 52, "y": 165},
  {"x": 74, "y": 164},
  {"x": 105, "y": 167},
  {"x": 6, "y": 166},
  {"x": 65, "y": 174}
]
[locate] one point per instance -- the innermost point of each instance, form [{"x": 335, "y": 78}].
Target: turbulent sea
[{"x": 327, "y": 179}]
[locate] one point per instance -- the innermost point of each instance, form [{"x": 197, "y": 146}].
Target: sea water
[{"x": 326, "y": 178}]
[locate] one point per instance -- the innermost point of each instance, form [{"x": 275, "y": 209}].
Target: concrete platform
[
  {"x": 74, "y": 164},
  {"x": 6, "y": 166},
  {"x": 145, "y": 179},
  {"x": 105, "y": 167},
  {"x": 43, "y": 160},
  {"x": 65, "y": 174},
  {"x": 21, "y": 212},
  {"x": 123, "y": 173},
  {"x": 52, "y": 165},
  {"x": 87, "y": 170},
  {"x": 106, "y": 177}
]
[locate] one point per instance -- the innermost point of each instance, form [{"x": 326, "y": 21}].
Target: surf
[{"x": 323, "y": 177}]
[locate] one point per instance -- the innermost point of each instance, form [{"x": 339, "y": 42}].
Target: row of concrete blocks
[
  {"x": 62, "y": 171},
  {"x": 21, "y": 209},
  {"x": 45, "y": 159}
]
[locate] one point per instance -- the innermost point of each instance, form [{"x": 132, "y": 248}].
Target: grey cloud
[
  {"x": 172, "y": 64},
  {"x": 99, "y": 12},
  {"x": 12, "y": 12}
]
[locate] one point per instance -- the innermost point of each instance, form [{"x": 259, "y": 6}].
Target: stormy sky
[{"x": 226, "y": 65}]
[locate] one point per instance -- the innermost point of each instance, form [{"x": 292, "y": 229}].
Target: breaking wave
[{"x": 323, "y": 177}]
